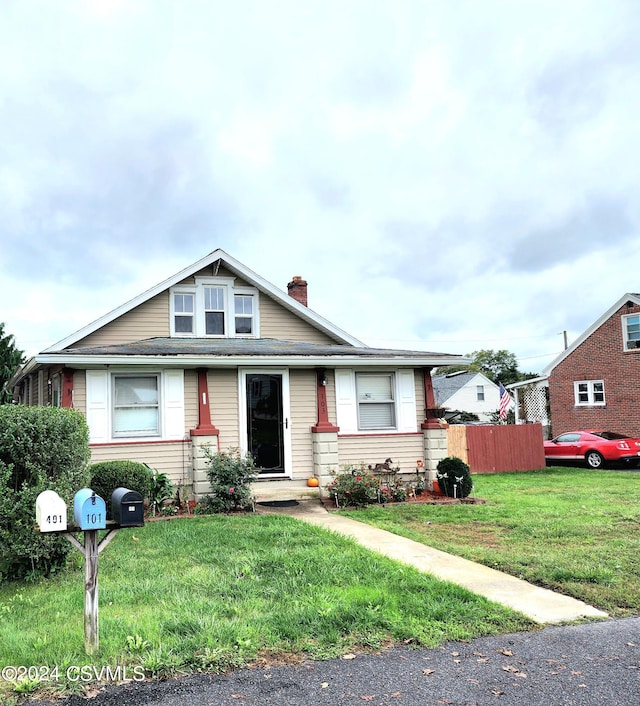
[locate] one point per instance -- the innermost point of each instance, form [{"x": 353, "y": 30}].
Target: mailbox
[
  {"x": 51, "y": 512},
  {"x": 127, "y": 507},
  {"x": 89, "y": 510}
]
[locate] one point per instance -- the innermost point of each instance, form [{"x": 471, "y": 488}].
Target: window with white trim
[
  {"x": 136, "y": 405},
  {"x": 183, "y": 312},
  {"x": 631, "y": 331},
  {"x": 376, "y": 403},
  {"x": 243, "y": 307},
  {"x": 214, "y": 307},
  {"x": 214, "y": 311},
  {"x": 480, "y": 393},
  {"x": 589, "y": 392}
]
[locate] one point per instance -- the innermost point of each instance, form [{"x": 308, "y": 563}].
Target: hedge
[{"x": 41, "y": 448}]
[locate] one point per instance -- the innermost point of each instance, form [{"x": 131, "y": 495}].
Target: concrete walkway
[{"x": 539, "y": 604}]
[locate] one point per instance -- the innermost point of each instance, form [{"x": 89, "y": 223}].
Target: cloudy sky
[{"x": 448, "y": 175}]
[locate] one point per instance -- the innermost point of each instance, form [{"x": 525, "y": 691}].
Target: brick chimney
[{"x": 298, "y": 289}]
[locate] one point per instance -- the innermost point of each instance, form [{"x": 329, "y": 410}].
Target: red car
[{"x": 593, "y": 447}]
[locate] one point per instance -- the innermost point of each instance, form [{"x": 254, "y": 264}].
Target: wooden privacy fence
[{"x": 499, "y": 448}]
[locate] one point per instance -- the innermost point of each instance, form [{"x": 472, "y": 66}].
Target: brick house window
[
  {"x": 589, "y": 392},
  {"x": 631, "y": 331}
]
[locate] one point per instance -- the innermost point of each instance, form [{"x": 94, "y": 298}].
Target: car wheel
[{"x": 594, "y": 459}]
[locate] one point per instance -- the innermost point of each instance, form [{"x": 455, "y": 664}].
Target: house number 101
[{"x": 94, "y": 518}]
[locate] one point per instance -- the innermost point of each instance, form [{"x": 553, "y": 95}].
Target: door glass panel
[{"x": 265, "y": 431}]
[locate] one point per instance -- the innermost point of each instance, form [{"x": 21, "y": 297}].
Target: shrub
[
  {"x": 454, "y": 477},
  {"x": 106, "y": 476},
  {"x": 41, "y": 448},
  {"x": 356, "y": 486},
  {"x": 230, "y": 476},
  {"x": 161, "y": 491}
]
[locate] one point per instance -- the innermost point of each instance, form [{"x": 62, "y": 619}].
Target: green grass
[
  {"x": 572, "y": 530},
  {"x": 215, "y": 592}
]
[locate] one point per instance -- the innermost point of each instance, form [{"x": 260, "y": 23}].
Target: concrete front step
[{"x": 285, "y": 489}]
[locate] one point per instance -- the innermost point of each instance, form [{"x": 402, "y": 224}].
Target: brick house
[{"x": 595, "y": 382}]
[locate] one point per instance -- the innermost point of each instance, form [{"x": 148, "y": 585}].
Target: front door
[{"x": 266, "y": 423}]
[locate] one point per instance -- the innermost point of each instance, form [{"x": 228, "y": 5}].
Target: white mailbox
[{"x": 51, "y": 512}]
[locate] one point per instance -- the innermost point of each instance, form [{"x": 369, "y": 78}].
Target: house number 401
[{"x": 54, "y": 519}]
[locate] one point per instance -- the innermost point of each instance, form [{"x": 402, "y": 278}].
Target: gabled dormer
[{"x": 214, "y": 307}]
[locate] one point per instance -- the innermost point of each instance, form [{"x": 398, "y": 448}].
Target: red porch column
[
  {"x": 204, "y": 428},
  {"x": 67, "y": 388},
  {"x": 430, "y": 421},
  {"x": 321, "y": 395}
]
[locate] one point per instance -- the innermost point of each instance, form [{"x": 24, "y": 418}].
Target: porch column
[
  {"x": 67, "y": 388},
  {"x": 430, "y": 419},
  {"x": 323, "y": 423},
  {"x": 204, "y": 435},
  {"x": 434, "y": 431},
  {"x": 205, "y": 427},
  {"x": 325, "y": 436}
]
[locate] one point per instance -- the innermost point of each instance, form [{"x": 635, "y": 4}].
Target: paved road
[{"x": 577, "y": 665}]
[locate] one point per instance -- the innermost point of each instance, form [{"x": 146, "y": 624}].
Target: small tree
[
  {"x": 230, "y": 476},
  {"x": 10, "y": 360}
]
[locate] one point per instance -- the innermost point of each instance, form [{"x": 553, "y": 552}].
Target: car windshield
[{"x": 609, "y": 435}]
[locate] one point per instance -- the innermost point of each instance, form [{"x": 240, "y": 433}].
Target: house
[
  {"x": 595, "y": 382},
  {"x": 216, "y": 355},
  {"x": 466, "y": 391}
]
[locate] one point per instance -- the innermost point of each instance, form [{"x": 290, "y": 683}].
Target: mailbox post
[{"x": 90, "y": 515}]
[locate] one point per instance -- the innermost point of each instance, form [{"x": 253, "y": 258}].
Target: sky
[{"x": 447, "y": 175}]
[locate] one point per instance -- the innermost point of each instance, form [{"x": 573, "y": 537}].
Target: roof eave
[{"x": 197, "y": 361}]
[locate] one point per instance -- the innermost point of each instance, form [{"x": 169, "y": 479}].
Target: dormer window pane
[
  {"x": 183, "y": 313},
  {"x": 244, "y": 313},
  {"x": 214, "y": 311}
]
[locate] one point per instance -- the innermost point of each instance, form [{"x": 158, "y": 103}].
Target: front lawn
[
  {"x": 575, "y": 531},
  {"x": 210, "y": 593}
]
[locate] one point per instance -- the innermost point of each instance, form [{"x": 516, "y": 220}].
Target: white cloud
[{"x": 449, "y": 176}]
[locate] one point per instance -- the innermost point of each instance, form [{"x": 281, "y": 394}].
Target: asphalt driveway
[{"x": 575, "y": 665}]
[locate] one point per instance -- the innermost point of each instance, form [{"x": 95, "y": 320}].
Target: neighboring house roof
[
  {"x": 445, "y": 386},
  {"x": 635, "y": 298},
  {"x": 198, "y": 352},
  {"x": 236, "y": 268}
]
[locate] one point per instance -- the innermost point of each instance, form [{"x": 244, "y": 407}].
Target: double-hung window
[
  {"x": 589, "y": 392},
  {"x": 631, "y": 331},
  {"x": 244, "y": 314},
  {"x": 136, "y": 405},
  {"x": 214, "y": 311},
  {"x": 376, "y": 404},
  {"x": 480, "y": 393},
  {"x": 183, "y": 313}
]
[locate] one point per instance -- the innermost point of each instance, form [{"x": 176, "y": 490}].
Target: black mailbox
[{"x": 127, "y": 507}]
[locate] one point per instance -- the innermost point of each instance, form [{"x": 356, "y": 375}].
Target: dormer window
[
  {"x": 214, "y": 311},
  {"x": 183, "y": 310},
  {"x": 631, "y": 331},
  {"x": 213, "y": 307}
]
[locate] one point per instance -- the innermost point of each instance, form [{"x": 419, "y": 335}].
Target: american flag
[{"x": 505, "y": 401}]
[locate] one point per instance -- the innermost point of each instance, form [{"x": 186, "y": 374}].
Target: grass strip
[
  {"x": 213, "y": 593},
  {"x": 572, "y": 530}
]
